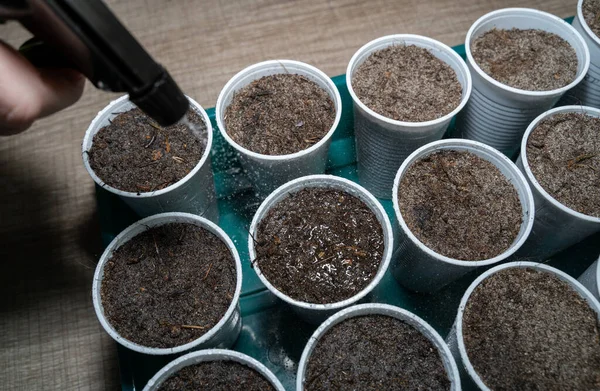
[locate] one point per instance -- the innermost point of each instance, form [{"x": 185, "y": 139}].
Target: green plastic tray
[{"x": 271, "y": 333}]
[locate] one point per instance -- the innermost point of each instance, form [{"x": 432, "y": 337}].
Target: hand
[{"x": 28, "y": 93}]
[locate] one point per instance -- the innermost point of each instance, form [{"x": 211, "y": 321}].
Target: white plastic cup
[
  {"x": 419, "y": 268},
  {"x": 498, "y": 114},
  {"x": 198, "y": 357},
  {"x": 267, "y": 172},
  {"x": 382, "y": 143},
  {"x": 587, "y": 92},
  {"x": 556, "y": 226},
  {"x": 310, "y": 312},
  {"x": 386, "y": 310},
  {"x": 194, "y": 193},
  {"x": 223, "y": 334},
  {"x": 591, "y": 279},
  {"x": 455, "y": 338}
]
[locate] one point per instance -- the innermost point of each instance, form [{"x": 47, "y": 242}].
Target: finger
[{"x": 28, "y": 93}]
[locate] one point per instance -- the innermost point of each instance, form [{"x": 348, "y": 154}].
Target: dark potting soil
[
  {"x": 532, "y": 60},
  {"x": 375, "y": 352},
  {"x": 591, "y": 14},
  {"x": 528, "y": 330},
  {"x": 135, "y": 154},
  {"x": 216, "y": 376},
  {"x": 168, "y": 285},
  {"x": 279, "y": 114},
  {"x": 563, "y": 152},
  {"x": 460, "y": 205},
  {"x": 407, "y": 83},
  {"x": 319, "y": 245}
]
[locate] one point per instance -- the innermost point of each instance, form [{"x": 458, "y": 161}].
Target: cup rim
[
  {"x": 150, "y": 222},
  {"x": 528, "y": 216},
  {"x": 376, "y": 208},
  {"x": 518, "y": 91},
  {"x": 394, "y": 37},
  {"x": 227, "y": 90},
  {"x": 94, "y": 127},
  {"x": 573, "y": 283},
  {"x": 527, "y": 169},
  {"x": 584, "y": 24}
]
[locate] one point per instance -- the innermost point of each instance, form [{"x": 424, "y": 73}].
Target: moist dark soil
[
  {"x": 532, "y": 60},
  {"x": 407, "y": 83},
  {"x": 279, "y": 115},
  {"x": 137, "y": 155},
  {"x": 217, "y": 376},
  {"x": 563, "y": 152},
  {"x": 528, "y": 330},
  {"x": 460, "y": 205},
  {"x": 319, "y": 245},
  {"x": 168, "y": 285},
  {"x": 375, "y": 352},
  {"x": 591, "y": 14}
]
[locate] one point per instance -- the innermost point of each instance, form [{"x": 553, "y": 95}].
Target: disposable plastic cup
[
  {"x": 201, "y": 356},
  {"x": 419, "y": 268},
  {"x": 587, "y": 92},
  {"x": 223, "y": 334},
  {"x": 498, "y": 114},
  {"x": 382, "y": 143},
  {"x": 386, "y": 310},
  {"x": 455, "y": 339},
  {"x": 556, "y": 226},
  {"x": 310, "y": 312},
  {"x": 267, "y": 172},
  {"x": 194, "y": 193},
  {"x": 590, "y": 279}
]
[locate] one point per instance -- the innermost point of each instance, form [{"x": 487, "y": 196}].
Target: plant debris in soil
[
  {"x": 319, "y": 245},
  {"x": 526, "y": 329},
  {"x": 279, "y": 114},
  {"x": 532, "y": 60},
  {"x": 407, "y": 83},
  {"x": 137, "y": 155},
  {"x": 168, "y": 285},
  {"x": 591, "y": 14},
  {"x": 460, "y": 205},
  {"x": 563, "y": 152},
  {"x": 375, "y": 352},
  {"x": 216, "y": 376}
]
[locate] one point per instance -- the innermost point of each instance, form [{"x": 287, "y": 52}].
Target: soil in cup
[
  {"x": 525, "y": 329},
  {"x": 532, "y": 60},
  {"x": 591, "y": 14},
  {"x": 168, "y": 285},
  {"x": 133, "y": 153},
  {"x": 407, "y": 83},
  {"x": 460, "y": 205},
  {"x": 319, "y": 245},
  {"x": 563, "y": 152},
  {"x": 217, "y": 376},
  {"x": 279, "y": 114},
  {"x": 375, "y": 352}
]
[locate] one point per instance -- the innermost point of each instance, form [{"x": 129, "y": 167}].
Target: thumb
[{"x": 28, "y": 93}]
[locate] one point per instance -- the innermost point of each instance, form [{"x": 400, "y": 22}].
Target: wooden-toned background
[{"x": 49, "y": 335}]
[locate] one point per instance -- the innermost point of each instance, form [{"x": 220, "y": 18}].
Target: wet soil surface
[
  {"x": 137, "y": 155},
  {"x": 460, "y": 205},
  {"x": 169, "y": 285},
  {"x": 279, "y": 115},
  {"x": 217, "y": 376},
  {"x": 375, "y": 352},
  {"x": 319, "y": 245},
  {"x": 532, "y": 60},
  {"x": 407, "y": 83},
  {"x": 528, "y": 330},
  {"x": 563, "y": 152}
]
